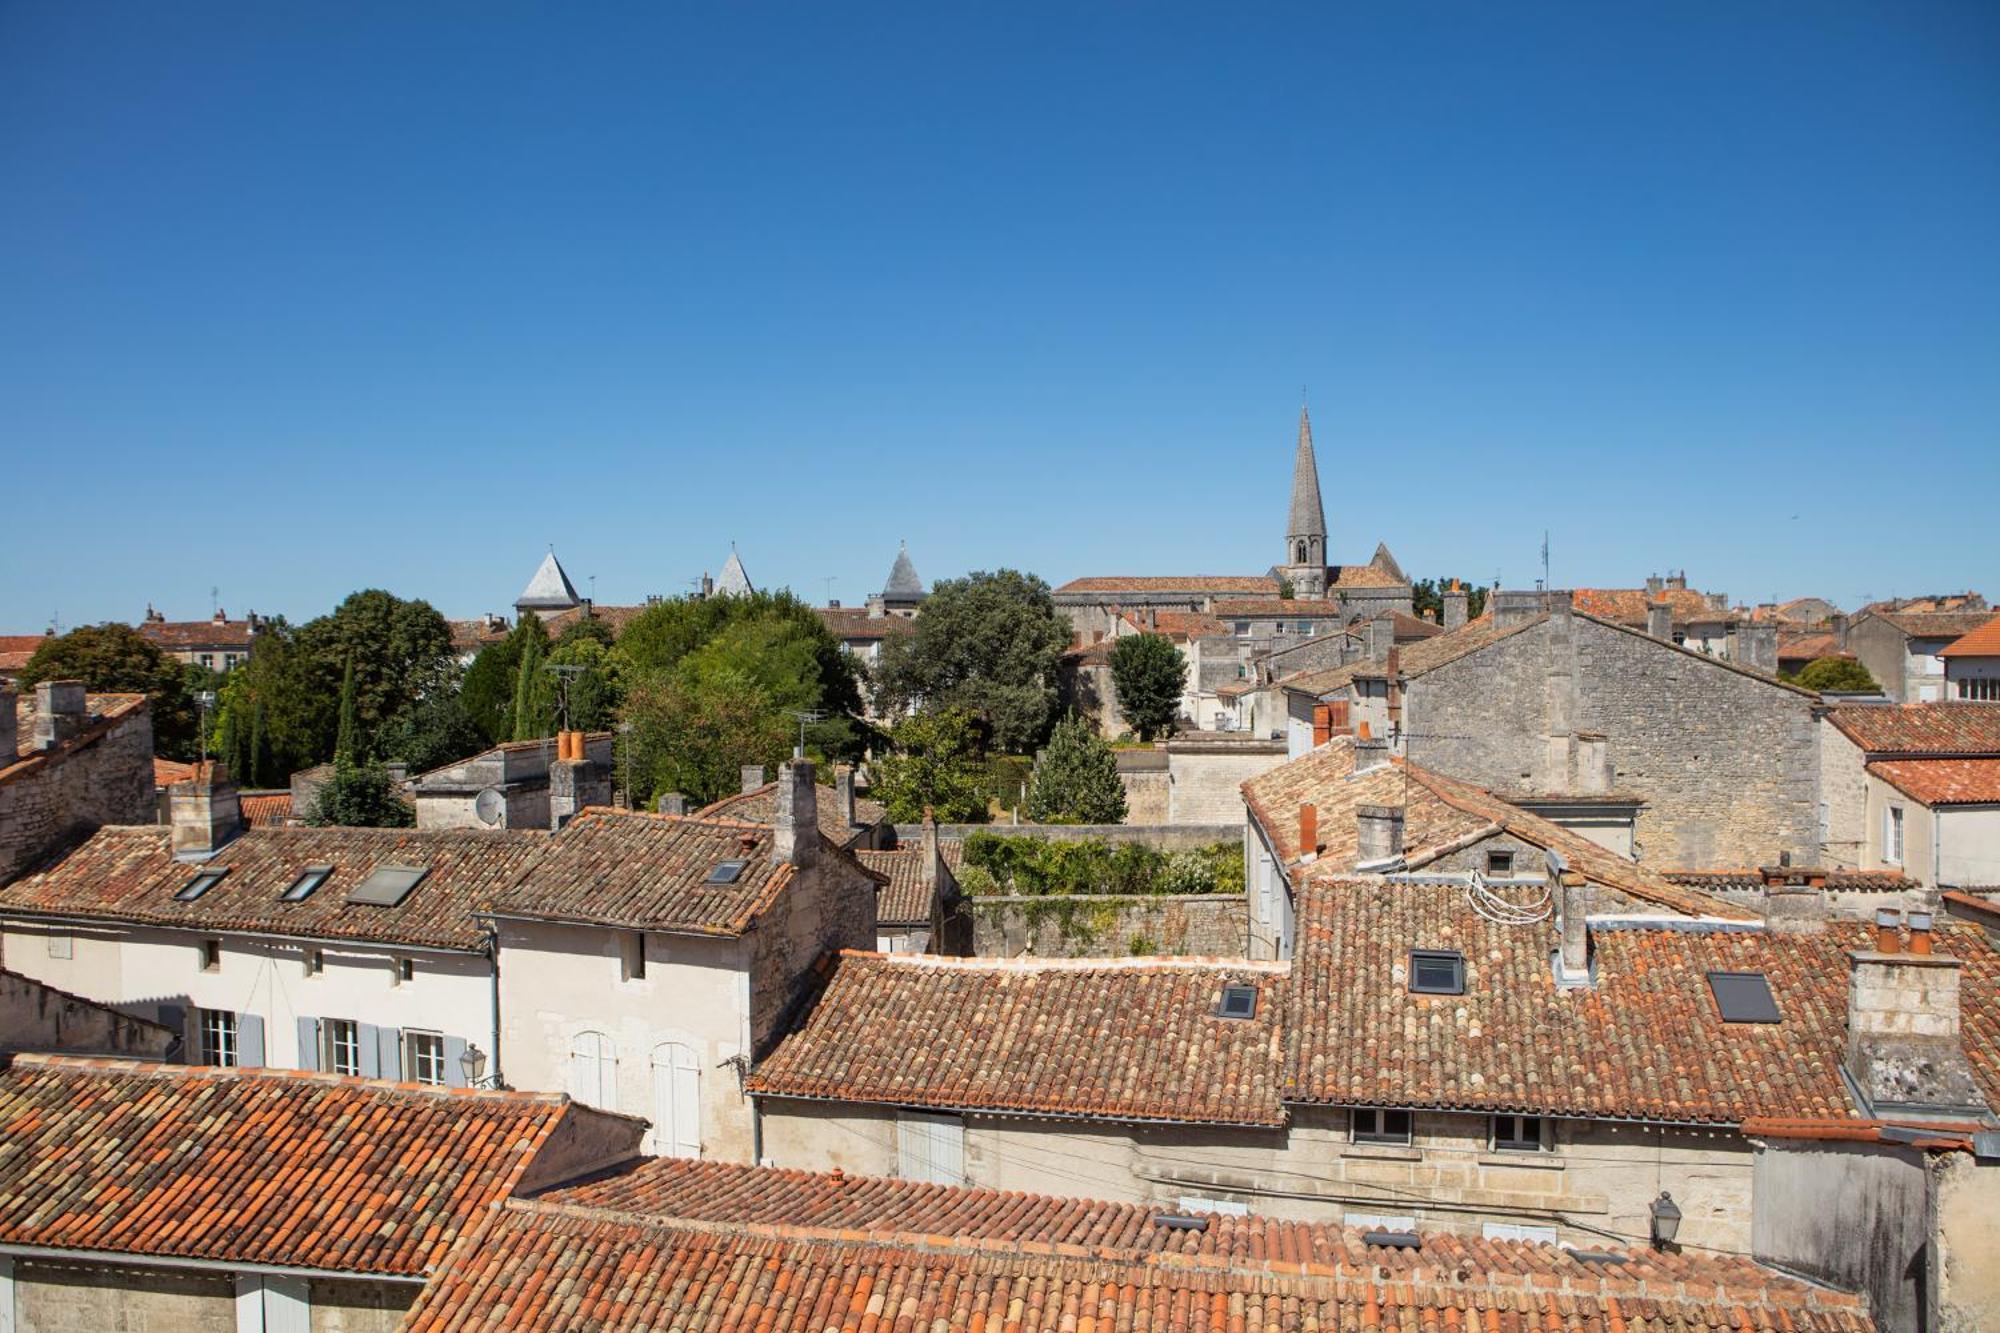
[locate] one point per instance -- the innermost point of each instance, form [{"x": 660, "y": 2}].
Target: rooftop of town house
[
  {"x": 1961, "y": 729},
  {"x": 760, "y": 806},
  {"x": 1940, "y": 782},
  {"x": 1984, "y": 641},
  {"x": 909, "y": 895},
  {"x": 1931, "y": 624},
  {"x": 1040, "y": 1036}
]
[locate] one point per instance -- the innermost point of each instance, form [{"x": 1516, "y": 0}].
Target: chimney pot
[
  {"x": 1920, "y": 932},
  {"x": 843, "y": 794},
  {"x": 1886, "y": 938},
  {"x": 673, "y": 803},
  {"x": 753, "y": 777},
  {"x": 1308, "y": 830},
  {"x": 1573, "y": 961},
  {"x": 61, "y": 708}
]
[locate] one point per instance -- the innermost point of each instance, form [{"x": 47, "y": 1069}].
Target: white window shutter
[
  {"x": 390, "y": 1056},
  {"x": 454, "y": 1062},
  {"x": 366, "y": 1036},
  {"x": 287, "y": 1306},
  {"x": 309, "y": 1043},
  {"x": 250, "y": 1041}
]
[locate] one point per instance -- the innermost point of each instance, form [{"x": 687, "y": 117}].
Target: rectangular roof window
[
  {"x": 1437, "y": 972},
  {"x": 1744, "y": 997},
  {"x": 387, "y": 886},
  {"x": 727, "y": 872},
  {"x": 306, "y": 884},
  {"x": 1237, "y": 1002},
  {"x": 200, "y": 884}
]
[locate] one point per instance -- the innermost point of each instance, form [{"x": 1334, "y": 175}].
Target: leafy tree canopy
[
  {"x": 1837, "y": 673},
  {"x": 988, "y": 644},
  {"x": 117, "y": 659},
  {"x": 401, "y": 651},
  {"x": 433, "y": 732},
  {"x": 1427, "y": 596},
  {"x": 361, "y": 797},
  {"x": 274, "y": 713},
  {"x": 487, "y": 691},
  {"x": 1076, "y": 779},
  {"x": 935, "y": 764},
  {"x": 1148, "y": 673}
]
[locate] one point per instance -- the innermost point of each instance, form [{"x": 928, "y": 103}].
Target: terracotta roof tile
[
  {"x": 1117, "y": 1038},
  {"x": 761, "y": 807},
  {"x": 265, "y": 809},
  {"x": 1943, "y": 781},
  {"x": 1645, "y": 1041},
  {"x": 1362, "y": 576},
  {"x": 1628, "y": 606},
  {"x": 1198, "y": 583},
  {"x": 1268, "y": 608},
  {"x": 129, "y": 874},
  {"x": 1752, "y": 881},
  {"x": 101, "y": 711},
  {"x": 254, "y": 1166},
  {"x": 617, "y": 617},
  {"x": 16, "y": 649},
  {"x": 1935, "y": 624},
  {"x": 1415, "y": 659},
  {"x": 1981, "y": 642},
  {"x": 854, "y": 622},
  {"x": 1922, "y": 729},
  {"x": 185, "y": 635},
  {"x": 907, "y": 899},
  {"x": 166, "y": 772}
]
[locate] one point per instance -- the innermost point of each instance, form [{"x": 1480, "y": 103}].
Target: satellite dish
[{"x": 490, "y": 806}]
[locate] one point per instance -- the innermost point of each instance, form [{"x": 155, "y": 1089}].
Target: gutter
[
  {"x": 122, "y": 1259},
  {"x": 1010, "y": 1113},
  {"x": 15, "y": 914}
]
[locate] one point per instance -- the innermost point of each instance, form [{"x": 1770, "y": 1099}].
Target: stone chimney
[
  {"x": 1904, "y": 1054},
  {"x": 204, "y": 812},
  {"x": 1514, "y": 607},
  {"x": 1654, "y": 583},
  {"x": 10, "y": 725},
  {"x": 1370, "y": 752},
  {"x": 843, "y": 794},
  {"x": 933, "y": 854},
  {"x": 1378, "y": 835},
  {"x": 673, "y": 803},
  {"x": 1717, "y": 601},
  {"x": 878, "y": 607},
  {"x": 1839, "y": 627},
  {"x": 1573, "y": 957},
  {"x": 753, "y": 777},
  {"x": 1794, "y": 899},
  {"x": 795, "y": 839},
  {"x": 1678, "y": 582},
  {"x": 575, "y": 782},
  {"x": 1660, "y": 621},
  {"x": 1456, "y": 601},
  {"x": 1759, "y": 641},
  {"x": 1381, "y": 633},
  {"x": 61, "y": 708}
]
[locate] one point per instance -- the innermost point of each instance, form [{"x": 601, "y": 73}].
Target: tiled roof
[
  {"x": 102, "y": 712},
  {"x": 1645, "y": 1041},
  {"x": 166, "y": 772},
  {"x": 1362, "y": 576},
  {"x": 854, "y": 623},
  {"x": 557, "y": 1267},
  {"x": 1269, "y": 608},
  {"x": 1981, "y": 642},
  {"x": 129, "y": 874},
  {"x": 1935, "y": 624},
  {"x": 264, "y": 809},
  {"x": 1440, "y": 816},
  {"x": 616, "y": 617},
  {"x": 1628, "y": 606},
  {"x": 469, "y": 636},
  {"x": 1198, "y": 583},
  {"x": 1808, "y": 645},
  {"x": 1414, "y": 660},
  {"x": 1752, "y": 881},
  {"x": 1943, "y": 781},
  {"x": 1176, "y": 625},
  {"x": 16, "y": 649},
  {"x": 1133, "y": 1039},
  {"x": 1410, "y": 627},
  {"x": 184, "y": 635},
  {"x": 907, "y": 898},
  {"x": 761, "y": 807},
  {"x": 648, "y": 872},
  {"x": 254, "y": 1166},
  {"x": 1928, "y": 729}
]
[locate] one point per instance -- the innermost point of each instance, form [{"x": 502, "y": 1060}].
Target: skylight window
[
  {"x": 306, "y": 884},
  {"x": 386, "y": 886},
  {"x": 727, "y": 872},
  {"x": 1437, "y": 972},
  {"x": 1237, "y": 1002},
  {"x": 200, "y": 884},
  {"x": 1744, "y": 997}
]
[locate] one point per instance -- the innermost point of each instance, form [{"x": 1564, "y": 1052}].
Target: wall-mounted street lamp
[
  {"x": 472, "y": 1062},
  {"x": 1666, "y": 1220}
]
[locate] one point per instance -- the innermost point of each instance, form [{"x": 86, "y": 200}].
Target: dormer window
[
  {"x": 1437, "y": 972},
  {"x": 306, "y": 884},
  {"x": 1237, "y": 1002},
  {"x": 727, "y": 872},
  {"x": 200, "y": 884}
]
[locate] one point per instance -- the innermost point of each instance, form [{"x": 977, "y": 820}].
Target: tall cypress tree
[
  {"x": 531, "y": 694},
  {"x": 261, "y": 768},
  {"x": 347, "y": 742}
]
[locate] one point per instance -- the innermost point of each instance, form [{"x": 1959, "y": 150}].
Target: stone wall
[
  {"x": 1164, "y": 837},
  {"x": 1726, "y": 762},
  {"x": 37, "y": 1017},
  {"x": 104, "y": 776},
  {"x": 1109, "y": 926},
  {"x": 1206, "y": 776},
  {"x": 74, "y": 1298},
  {"x": 1843, "y": 794},
  {"x": 1967, "y": 1201},
  {"x": 1848, "y": 1214},
  {"x": 1148, "y": 786}
]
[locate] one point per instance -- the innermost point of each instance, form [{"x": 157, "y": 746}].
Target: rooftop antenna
[
  {"x": 830, "y": 580},
  {"x": 214, "y": 598},
  {"x": 805, "y": 715},
  {"x": 1545, "y": 560},
  {"x": 564, "y": 672},
  {"x": 593, "y": 589}
]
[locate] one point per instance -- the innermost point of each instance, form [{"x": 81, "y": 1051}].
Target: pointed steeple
[
  {"x": 550, "y": 588},
  {"x": 733, "y": 581},
  {"x": 1308, "y": 516},
  {"x": 903, "y": 584}
]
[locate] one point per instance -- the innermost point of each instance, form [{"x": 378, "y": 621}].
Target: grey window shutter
[
  {"x": 174, "y": 1018},
  {"x": 309, "y": 1043},
  {"x": 367, "y": 1036},
  {"x": 390, "y": 1060},
  {"x": 250, "y": 1041},
  {"x": 454, "y": 1071}
]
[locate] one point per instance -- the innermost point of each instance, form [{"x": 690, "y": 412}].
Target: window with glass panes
[
  {"x": 218, "y": 1037},
  {"x": 1517, "y": 1133},
  {"x": 1376, "y": 1125},
  {"x": 340, "y": 1039},
  {"x": 423, "y": 1058}
]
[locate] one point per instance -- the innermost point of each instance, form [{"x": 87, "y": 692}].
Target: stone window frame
[
  {"x": 1380, "y": 1122},
  {"x": 1517, "y": 1138}
]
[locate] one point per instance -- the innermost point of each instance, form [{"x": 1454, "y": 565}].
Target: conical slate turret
[{"x": 550, "y": 588}]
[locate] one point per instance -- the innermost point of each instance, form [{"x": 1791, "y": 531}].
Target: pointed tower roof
[
  {"x": 1308, "y": 516},
  {"x": 1387, "y": 563},
  {"x": 903, "y": 582},
  {"x": 550, "y": 589},
  {"x": 733, "y": 582}
]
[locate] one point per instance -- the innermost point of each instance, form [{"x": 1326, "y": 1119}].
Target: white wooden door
[
  {"x": 676, "y": 1101},
  {"x": 593, "y": 1070}
]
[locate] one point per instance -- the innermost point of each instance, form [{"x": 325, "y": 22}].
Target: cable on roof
[{"x": 1505, "y": 912}]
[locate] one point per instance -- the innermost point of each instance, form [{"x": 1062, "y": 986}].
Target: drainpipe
[{"x": 493, "y": 957}]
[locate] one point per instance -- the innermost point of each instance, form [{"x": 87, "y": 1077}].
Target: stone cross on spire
[{"x": 1305, "y": 526}]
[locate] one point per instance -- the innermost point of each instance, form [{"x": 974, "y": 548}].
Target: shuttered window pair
[{"x": 344, "y": 1046}]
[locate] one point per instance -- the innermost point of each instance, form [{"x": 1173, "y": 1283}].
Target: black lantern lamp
[
  {"x": 1666, "y": 1220},
  {"x": 472, "y": 1061}
]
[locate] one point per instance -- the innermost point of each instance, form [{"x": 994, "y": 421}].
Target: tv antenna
[
  {"x": 830, "y": 580},
  {"x": 805, "y": 716},
  {"x": 564, "y": 672}
]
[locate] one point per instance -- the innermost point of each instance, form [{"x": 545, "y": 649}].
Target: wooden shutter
[
  {"x": 593, "y": 1071},
  {"x": 309, "y": 1043},
  {"x": 250, "y": 1041},
  {"x": 676, "y": 1101},
  {"x": 931, "y": 1148},
  {"x": 389, "y": 1059},
  {"x": 454, "y": 1062},
  {"x": 367, "y": 1037}
]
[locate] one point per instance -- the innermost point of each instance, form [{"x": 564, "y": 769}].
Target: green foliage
[
  {"x": 273, "y": 711},
  {"x": 400, "y": 650},
  {"x": 1837, "y": 673},
  {"x": 347, "y": 737},
  {"x": 1148, "y": 673},
  {"x": 487, "y": 692},
  {"x": 1427, "y": 597},
  {"x": 533, "y": 711},
  {"x": 935, "y": 764},
  {"x": 988, "y": 644},
  {"x": 361, "y": 797},
  {"x": 1141, "y": 946},
  {"x": 117, "y": 659},
  {"x": 1000, "y": 863},
  {"x": 433, "y": 732},
  {"x": 594, "y": 694},
  {"x": 1286, "y": 592},
  {"x": 1076, "y": 779}
]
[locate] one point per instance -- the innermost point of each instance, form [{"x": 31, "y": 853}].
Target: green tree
[
  {"x": 1427, "y": 598},
  {"x": 935, "y": 764},
  {"x": 1076, "y": 779},
  {"x": 533, "y": 711},
  {"x": 1837, "y": 673},
  {"x": 117, "y": 659},
  {"x": 988, "y": 644},
  {"x": 361, "y": 797},
  {"x": 1148, "y": 673},
  {"x": 595, "y": 691},
  {"x": 433, "y": 732},
  {"x": 401, "y": 651},
  {"x": 347, "y": 739},
  {"x": 487, "y": 691},
  {"x": 274, "y": 712}
]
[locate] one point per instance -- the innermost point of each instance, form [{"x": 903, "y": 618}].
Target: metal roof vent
[
  {"x": 1393, "y": 1240},
  {"x": 1180, "y": 1222},
  {"x": 1600, "y": 1257}
]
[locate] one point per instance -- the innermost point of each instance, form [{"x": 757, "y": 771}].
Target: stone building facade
[
  {"x": 1902, "y": 649},
  {"x": 70, "y": 762}
]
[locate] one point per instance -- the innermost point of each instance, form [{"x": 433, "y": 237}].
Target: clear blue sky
[{"x": 297, "y": 299}]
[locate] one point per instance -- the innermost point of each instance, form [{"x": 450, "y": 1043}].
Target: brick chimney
[
  {"x": 10, "y": 725},
  {"x": 1904, "y": 1054},
  {"x": 1378, "y": 831},
  {"x": 1456, "y": 602},
  {"x": 1794, "y": 899},
  {"x": 61, "y": 708},
  {"x": 795, "y": 838},
  {"x": 204, "y": 812},
  {"x": 843, "y": 794},
  {"x": 753, "y": 777},
  {"x": 1573, "y": 957},
  {"x": 672, "y": 803},
  {"x": 1660, "y": 621},
  {"x": 1308, "y": 831}
]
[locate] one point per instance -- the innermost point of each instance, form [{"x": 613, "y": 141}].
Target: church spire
[{"x": 1305, "y": 528}]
